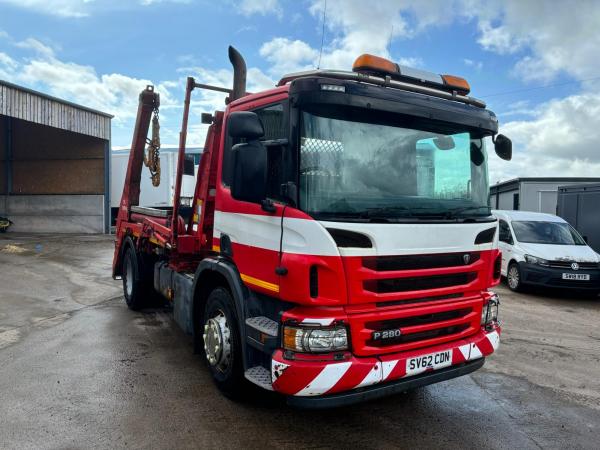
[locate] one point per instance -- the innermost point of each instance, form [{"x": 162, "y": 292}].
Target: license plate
[
  {"x": 432, "y": 361},
  {"x": 576, "y": 276}
]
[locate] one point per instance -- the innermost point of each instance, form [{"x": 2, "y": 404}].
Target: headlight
[
  {"x": 489, "y": 313},
  {"x": 315, "y": 340},
  {"x": 535, "y": 260}
]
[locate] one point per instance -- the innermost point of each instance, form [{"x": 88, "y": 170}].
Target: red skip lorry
[{"x": 339, "y": 246}]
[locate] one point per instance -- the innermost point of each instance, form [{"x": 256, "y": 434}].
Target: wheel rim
[
  {"x": 217, "y": 341},
  {"x": 128, "y": 277},
  {"x": 513, "y": 277}
]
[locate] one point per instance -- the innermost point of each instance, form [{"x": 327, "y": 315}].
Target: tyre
[
  {"x": 221, "y": 343},
  {"x": 135, "y": 287},
  {"x": 513, "y": 277}
]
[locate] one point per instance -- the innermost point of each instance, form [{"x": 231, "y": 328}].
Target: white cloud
[
  {"x": 206, "y": 101},
  {"x": 36, "y": 46},
  {"x": 62, "y": 8},
  {"x": 288, "y": 56},
  {"x": 562, "y": 139},
  {"x": 262, "y": 7},
  {"x": 550, "y": 37},
  {"x": 353, "y": 27},
  {"x": 498, "y": 39},
  {"x": 559, "y": 37},
  {"x": 113, "y": 93},
  {"x": 7, "y": 61},
  {"x": 79, "y": 8},
  {"x": 477, "y": 65}
]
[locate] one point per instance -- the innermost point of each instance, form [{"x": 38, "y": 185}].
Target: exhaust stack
[{"x": 239, "y": 74}]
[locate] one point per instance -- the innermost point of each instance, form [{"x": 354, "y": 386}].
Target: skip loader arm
[{"x": 149, "y": 101}]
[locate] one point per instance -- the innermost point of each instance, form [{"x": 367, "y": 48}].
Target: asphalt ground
[{"x": 80, "y": 370}]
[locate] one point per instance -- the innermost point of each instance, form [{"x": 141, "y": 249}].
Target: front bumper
[
  {"x": 369, "y": 377},
  {"x": 533, "y": 274},
  {"x": 385, "y": 389}
]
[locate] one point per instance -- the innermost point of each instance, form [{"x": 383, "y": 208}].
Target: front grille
[
  {"x": 418, "y": 328},
  {"x": 567, "y": 265},
  {"x": 419, "y": 320},
  {"x": 418, "y": 300},
  {"x": 421, "y": 336},
  {"x": 419, "y": 262},
  {"x": 418, "y": 283}
]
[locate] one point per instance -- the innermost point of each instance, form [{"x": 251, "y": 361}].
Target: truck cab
[{"x": 341, "y": 245}]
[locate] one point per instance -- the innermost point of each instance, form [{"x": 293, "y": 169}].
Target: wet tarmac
[{"x": 80, "y": 370}]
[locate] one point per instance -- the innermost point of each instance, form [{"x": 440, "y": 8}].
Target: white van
[{"x": 542, "y": 249}]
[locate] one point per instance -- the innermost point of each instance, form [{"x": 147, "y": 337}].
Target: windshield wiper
[
  {"x": 399, "y": 212},
  {"x": 454, "y": 213},
  {"x": 387, "y": 212}
]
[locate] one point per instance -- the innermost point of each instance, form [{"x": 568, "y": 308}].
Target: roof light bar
[
  {"x": 333, "y": 87},
  {"x": 375, "y": 65}
]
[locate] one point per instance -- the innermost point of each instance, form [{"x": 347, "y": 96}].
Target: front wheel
[
  {"x": 513, "y": 277},
  {"x": 221, "y": 343}
]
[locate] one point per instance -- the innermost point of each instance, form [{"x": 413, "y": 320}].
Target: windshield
[
  {"x": 377, "y": 171},
  {"x": 557, "y": 233}
]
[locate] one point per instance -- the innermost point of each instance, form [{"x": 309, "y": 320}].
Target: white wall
[{"x": 55, "y": 213}]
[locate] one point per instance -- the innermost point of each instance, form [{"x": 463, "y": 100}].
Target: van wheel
[
  {"x": 221, "y": 343},
  {"x": 513, "y": 277}
]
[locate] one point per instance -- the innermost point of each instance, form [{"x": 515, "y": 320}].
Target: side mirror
[
  {"x": 249, "y": 182},
  {"x": 249, "y": 159},
  {"x": 503, "y": 147},
  {"x": 245, "y": 125}
]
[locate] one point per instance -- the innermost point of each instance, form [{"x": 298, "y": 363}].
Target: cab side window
[
  {"x": 505, "y": 235},
  {"x": 273, "y": 121}
]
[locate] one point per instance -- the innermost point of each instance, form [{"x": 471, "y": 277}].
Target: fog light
[
  {"x": 489, "y": 313},
  {"x": 315, "y": 340}
]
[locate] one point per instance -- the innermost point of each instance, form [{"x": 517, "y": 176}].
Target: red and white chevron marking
[{"x": 311, "y": 377}]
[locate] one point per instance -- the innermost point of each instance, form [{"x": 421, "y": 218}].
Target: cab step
[
  {"x": 262, "y": 333},
  {"x": 259, "y": 376},
  {"x": 263, "y": 325}
]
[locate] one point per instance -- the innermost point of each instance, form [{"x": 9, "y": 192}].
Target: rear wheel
[
  {"x": 513, "y": 277},
  {"x": 135, "y": 284},
  {"x": 221, "y": 343}
]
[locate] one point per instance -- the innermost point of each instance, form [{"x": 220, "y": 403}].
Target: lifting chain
[{"x": 152, "y": 153}]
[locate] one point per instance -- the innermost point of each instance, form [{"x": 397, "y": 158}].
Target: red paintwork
[
  {"x": 357, "y": 274},
  {"x": 341, "y": 294},
  {"x": 298, "y": 374}
]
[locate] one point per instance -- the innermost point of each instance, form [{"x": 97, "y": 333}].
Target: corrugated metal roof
[{"x": 32, "y": 106}]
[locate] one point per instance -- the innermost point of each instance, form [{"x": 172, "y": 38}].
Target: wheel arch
[
  {"x": 128, "y": 241},
  {"x": 211, "y": 274}
]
